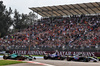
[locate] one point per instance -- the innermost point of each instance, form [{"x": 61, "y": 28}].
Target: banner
[{"x": 60, "y": 53}]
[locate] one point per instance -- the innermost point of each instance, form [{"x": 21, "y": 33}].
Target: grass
[
  {"x": 9, "y": 62},
  {"x": 98, "y": 57}
]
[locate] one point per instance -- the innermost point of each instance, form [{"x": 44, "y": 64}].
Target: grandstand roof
[{"x": 72, "y": 9}]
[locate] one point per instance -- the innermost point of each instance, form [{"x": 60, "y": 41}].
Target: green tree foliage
[
  {"x": 18, "y": 21},
  {"x": 5, "y": 20},
  {"x": 31, "y": 18},
  {"x": 21, "y": 21}
]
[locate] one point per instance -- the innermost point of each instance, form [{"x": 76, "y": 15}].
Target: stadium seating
[{"x": 76, "y": 32}]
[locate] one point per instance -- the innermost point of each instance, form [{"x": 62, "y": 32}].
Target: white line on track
[
  {"x": 85, "y": 62},
  {"x": 38, "y": 63}
]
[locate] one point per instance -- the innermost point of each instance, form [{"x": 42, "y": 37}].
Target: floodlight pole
[{"x": 29, "y": 39}]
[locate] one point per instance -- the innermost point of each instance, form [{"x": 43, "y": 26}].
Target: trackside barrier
[{"x": 60, "y": 53}]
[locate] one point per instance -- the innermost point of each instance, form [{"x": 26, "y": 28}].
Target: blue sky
[{"x": 23, "y": 5}]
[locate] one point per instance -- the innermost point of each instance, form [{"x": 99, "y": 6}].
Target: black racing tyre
[
  {"x": 45, "y": 57},
  {"x": 68, "y": 59},
  {"x": 30, "y": 59},
  {"x": 62, "y": 58},
  {"x": 4, "y": 57},
  {"x": 34, "y": 58},
  {"x": 94, "y": 61},
  {"x": 86, "y": 60}
]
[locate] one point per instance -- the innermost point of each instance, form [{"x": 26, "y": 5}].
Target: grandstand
[
  {"x": 68, "y": 10},
  {"x": 78, "y": 31}
]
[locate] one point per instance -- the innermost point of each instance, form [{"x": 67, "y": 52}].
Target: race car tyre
[
  {"x": 68, "y": 59},
  {"x": 45, "y": 57},
  {"x": 62, "y": 58},
  {"x": 30, "y": 59},
  {"x": 94, "y": 61},
  {"x": 86, "y": 60},
  {"x": 34, "y": 58},
  {"x": 4, "y": 57}
]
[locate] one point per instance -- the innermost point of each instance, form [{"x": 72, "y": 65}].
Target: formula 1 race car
[
  {"x": 82, "y": 58},
  {"x": 53, "y": 56},
  {"x": 16, "y": 56}
]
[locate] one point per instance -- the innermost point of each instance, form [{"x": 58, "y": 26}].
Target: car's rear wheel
[
  {"x": 69, "y": 59},
  {"x": 86, "y": 60},
  {"x": 4, "y": 57},
  {"x": 62, "y": 58},
  {"x": 45, "y": 57},
  {"x": 30, "y": 59}
]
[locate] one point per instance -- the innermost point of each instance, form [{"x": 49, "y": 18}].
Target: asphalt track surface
[{"x": 42, "y": 62}]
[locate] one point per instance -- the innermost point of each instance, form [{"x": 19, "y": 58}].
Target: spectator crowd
[{"x": 77, "y": 32}]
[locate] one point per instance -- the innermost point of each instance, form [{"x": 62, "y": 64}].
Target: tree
[
  {"x": 5, "y": 20},
  {"x": 2, "y": 7},
  {"x": 17, "y": 23},
  {"x": 32, "y": 18},
  {"x": 21, "y": 21}
]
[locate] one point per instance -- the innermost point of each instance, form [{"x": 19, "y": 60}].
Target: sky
[{"x": 23, "y": 5}]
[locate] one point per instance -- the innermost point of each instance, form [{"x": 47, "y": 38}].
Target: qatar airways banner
[{"x": 60, "y": 53}]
